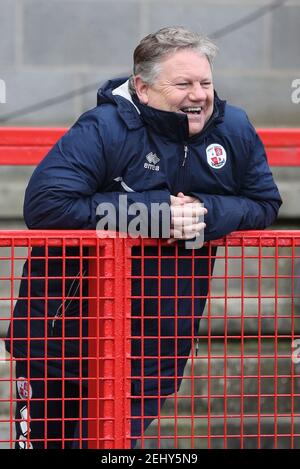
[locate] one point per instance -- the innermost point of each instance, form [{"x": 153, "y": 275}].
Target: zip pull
[
  {"x": 55, "y": 318},
  {"x": 185, "y": 154}
]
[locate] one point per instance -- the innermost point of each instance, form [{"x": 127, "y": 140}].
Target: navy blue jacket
[{"x": 105, "y": 154}]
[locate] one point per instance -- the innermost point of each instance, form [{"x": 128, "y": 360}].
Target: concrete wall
[{"x": 50, "y": 47}]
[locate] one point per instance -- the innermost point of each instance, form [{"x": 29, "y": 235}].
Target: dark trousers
[
  {"x": 51, "y": 412},
  {"x": 47, "y": 410}
]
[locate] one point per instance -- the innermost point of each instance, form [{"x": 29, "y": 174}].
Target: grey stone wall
[{"x": 50, "y": 47}]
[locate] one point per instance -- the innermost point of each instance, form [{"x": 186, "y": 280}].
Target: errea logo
[{"x": 152, "y": 159}]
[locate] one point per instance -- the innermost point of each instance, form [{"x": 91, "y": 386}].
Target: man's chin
[
  {"x": 196, "y": 124},
  {"x": 195, "y": 128}
]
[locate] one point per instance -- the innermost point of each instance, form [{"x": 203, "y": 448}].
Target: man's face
[{"x": 183, "y": 85}]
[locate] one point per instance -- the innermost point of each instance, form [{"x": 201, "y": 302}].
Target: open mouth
[{"x": 192, "y": 110}]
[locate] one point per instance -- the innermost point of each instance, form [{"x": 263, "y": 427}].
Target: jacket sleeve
[
  {"x": 255, "y": 207},
  {"x": 66, "y": 189}
]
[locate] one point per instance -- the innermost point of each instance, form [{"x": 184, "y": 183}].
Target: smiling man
[
  {"x": 184, "y": 84},
  {"x": 161, "y": 136}
]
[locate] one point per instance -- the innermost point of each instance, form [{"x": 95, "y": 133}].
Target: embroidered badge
[{"x": 216, "y": 155}]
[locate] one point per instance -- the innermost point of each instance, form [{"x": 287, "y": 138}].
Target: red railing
[
  {"x": 241, "y": 386},
  {"x": 27, "y": 146}
]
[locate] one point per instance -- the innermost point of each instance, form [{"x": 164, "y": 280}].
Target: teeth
[{"x": 192, "y": 109}]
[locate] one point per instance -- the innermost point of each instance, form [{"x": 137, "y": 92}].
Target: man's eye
[
  {"x": 182, "y": 85},
  {"x": 206, "y": 84}
]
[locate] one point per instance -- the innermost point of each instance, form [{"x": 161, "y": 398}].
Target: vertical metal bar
[
  {"x": 226, "y": 293},
  {"x": 126, "y": 366},
  {"x": 142, "y": 338},
  {"x": 176, "y": 319},
  {"x": 63, "y": 338},
  {"x": 82, "y": 437},
  {"x": 193, "y": 377},
  {"x": 121, "y": 333},
  {"x": 293, "y": 310},
  {"x": 28, "y": 335},
  {"x": 259, "y": 348},
  {"x": 242, "y": 356},
  {"x": 108, "y": 421},
  {"x": 46, "y": 381},
  {"x": 276, "y": 377},
  {"x": 11, "y": 359},
  {"x": 209, "y": 345},
  {"x": 95, "y": 345}
]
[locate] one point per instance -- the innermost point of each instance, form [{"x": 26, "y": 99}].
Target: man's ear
[{"x": 141, "y": 89}]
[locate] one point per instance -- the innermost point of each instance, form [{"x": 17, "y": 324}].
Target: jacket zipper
[
  {"x": 186, "y": 149},
  {"x": 180, "y": 183}
]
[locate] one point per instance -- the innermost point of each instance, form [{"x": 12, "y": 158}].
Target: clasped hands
[{"x": 186, "y": 213}]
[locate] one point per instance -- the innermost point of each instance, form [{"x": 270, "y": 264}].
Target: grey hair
[{"x": 152, "y": 49}]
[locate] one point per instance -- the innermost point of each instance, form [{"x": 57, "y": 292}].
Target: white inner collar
[{"x": 123, "y": 90}]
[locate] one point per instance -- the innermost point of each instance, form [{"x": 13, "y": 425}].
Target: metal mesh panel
[{"x": 147, "y": 345}]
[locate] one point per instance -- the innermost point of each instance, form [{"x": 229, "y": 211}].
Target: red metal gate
[{"x": 241, "y": 382}]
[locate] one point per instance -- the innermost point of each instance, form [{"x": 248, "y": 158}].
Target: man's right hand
[{"x": 185, "y": 217}]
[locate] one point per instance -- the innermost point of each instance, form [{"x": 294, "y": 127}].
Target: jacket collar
[
  {"x": 169, "y": 124},
  {"x": 175, "y": 125}
]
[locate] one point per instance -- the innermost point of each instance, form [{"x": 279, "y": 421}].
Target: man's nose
[{"x": 197, "y": 93}]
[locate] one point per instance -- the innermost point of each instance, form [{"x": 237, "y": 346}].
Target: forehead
[{"x": 185, "y": 62}]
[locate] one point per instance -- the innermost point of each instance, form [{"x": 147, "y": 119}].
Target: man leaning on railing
[{"x": 162, "y": 136}]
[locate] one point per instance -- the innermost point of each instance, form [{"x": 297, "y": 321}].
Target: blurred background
[{"x": 49, "y": 48}]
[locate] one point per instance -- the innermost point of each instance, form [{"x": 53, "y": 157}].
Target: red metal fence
[
  {"x": 27, "y": 146},
  {"x": 241, "y": 383}
]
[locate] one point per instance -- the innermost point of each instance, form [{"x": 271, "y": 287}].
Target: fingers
[
  {"x": 184, "y": 222},
  {"x": 182, "y": 199},
  {"x": 186, "y": 217},
  {"x": 188, "y": 210},
  {"x": 187, "y": 231},
  {"x": 176, "y": 200},
  {"x": 187, "y": 199}
]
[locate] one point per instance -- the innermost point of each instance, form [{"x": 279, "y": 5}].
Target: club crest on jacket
[{"x": 216, "y": 155}]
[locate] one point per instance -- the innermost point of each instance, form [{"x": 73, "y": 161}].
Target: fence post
[{"x": 109, "y": 345}]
